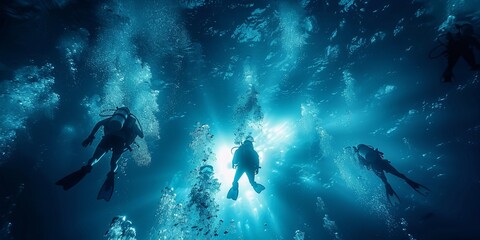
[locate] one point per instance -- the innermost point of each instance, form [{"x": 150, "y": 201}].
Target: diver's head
[
  {"x": 355, "y": 149},
  {"x": 249, "y": 140},
  {"x": 124, "y": 109},
  {"x": 350, "y": 150}
]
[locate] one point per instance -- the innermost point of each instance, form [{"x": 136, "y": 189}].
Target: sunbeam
[{"x": 349, "y": 119}]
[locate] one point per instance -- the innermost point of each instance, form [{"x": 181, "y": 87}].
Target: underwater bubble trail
[
  {"x": 171, "y": 221},
  {"x": 7, "y": 207},
  {"x": 128, "y": 79},
  {"x": 121, "y": 229},
  {"x": 73, "y": 44},
  {"x": 197, "y": 217},
  {"x": 30, "y": 92},
  {"x": 404, "y": 225},
  {"x": 248, "y": 115},
  {"x": 299, "y": 235}
]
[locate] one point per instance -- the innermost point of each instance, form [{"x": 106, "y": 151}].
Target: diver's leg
[
  {"x": 470, "y": 59},
  {"x": 238, "y": 174},
  {"x": 381, "y": 175},
  {"x": 453, "y": 57},
  {"x": 233, "y": 192},
  {"x": 114, "y": 160},
  {"x": 392, "y": 196},
  {"x": 251, "y": 177},
  {"x": 99, "y": 152},
  {"x": 416, "y": 186},
  {"x": 106, "y": 191},
  {"x": 387, "y": 167},
  {"x": 72, "y": 179}
]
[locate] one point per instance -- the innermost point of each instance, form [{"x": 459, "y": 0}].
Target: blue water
[{"x": 305, "y": 78}]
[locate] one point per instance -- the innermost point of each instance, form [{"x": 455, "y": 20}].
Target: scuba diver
[
  {"x": 245, "y": 160},
  {"x": 120, "y": 130},
  {"x": 373, "y": 160},
  {"x": 458, "y": 45}
]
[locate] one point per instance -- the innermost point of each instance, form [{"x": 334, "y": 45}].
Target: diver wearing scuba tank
[
  {"x": 120, "y": 130},
  {"x": 245, "y": 160},
  {"x": 458, "y": 45}
]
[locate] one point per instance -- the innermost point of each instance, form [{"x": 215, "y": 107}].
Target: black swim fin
[
  {"x": 233, "y": 193},
  {"x": 418, "y": 187},
  {"x": 392, "y": 196},
  {"x": 106, "y": 191},
  {"x": 72, "y": 179},
  {"x": 259, "y": 188}
]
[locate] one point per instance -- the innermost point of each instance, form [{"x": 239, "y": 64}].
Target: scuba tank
[{"x": 118, "y": 118}]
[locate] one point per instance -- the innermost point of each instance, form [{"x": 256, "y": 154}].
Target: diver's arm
[
  {"x": 380, "y": 154},
  {"x": 90, "y": 137},
  {"x": 382, "y": 176},
  {"x": 257, "y": 162},
  {"x": 361, "y": 159},
  {"x": 235, "y": 159},
  {"x": 97, "y": 126}
]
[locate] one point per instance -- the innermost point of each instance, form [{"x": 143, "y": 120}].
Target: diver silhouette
[
  {"x": 373, "y": 160},
  {"x": 245, "y": 160},
  {"x": 460, "y": 44},
  {"x": 120, "y": 130}
]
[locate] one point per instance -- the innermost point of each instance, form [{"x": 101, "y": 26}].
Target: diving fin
[
  {"x": 72, "y": 179},
  {"x": 392, "y": 196},
  {"x": 418, "y": 187},
  {"x": 259, "y": 188},
  {"x": 106, "y": 191},
  {"x": 233, "y": 193}
]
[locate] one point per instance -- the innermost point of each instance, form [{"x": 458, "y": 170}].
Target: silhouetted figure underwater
[
  {"x": 460, "y": 44},
  {"x": 373, "y": 160},
  {"x": 245, "y": 160},
  {"x": 120, "y": 130}
]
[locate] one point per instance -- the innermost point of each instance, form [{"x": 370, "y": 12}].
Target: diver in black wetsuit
[
  {"x": 458, "y": 45},
  {"x": 120, "y": 131},
  {"x": 373, "y": 160},
  {"x": 245, "y": 160}
]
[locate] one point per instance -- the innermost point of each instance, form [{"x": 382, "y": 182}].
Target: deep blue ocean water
[{"x": 306, "y": 79}]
